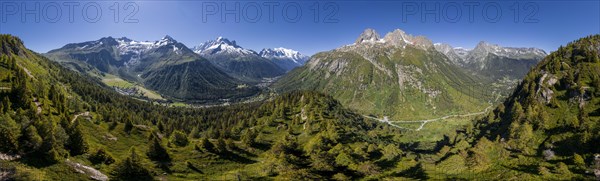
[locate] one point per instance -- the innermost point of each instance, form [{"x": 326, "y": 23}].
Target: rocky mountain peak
[
  {"x": 222, "y": 40},
  {"x": 167, "y": 37},
  {"x": 369, "y": 35},
  {"x": 399, "y": 38},
  {"x": 222, "y": 45}
]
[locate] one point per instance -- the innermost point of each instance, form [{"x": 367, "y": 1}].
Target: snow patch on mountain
[
  {"x": 283, "y": 54},
  {"x": 222, "y": 46},
  {"x": 463, "y": 56},
  {"x": 135, "y": 49}
]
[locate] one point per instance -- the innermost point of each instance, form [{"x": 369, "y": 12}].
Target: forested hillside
[
  {"x": 54, "y": 119},
  {"x": 547, "y": 129}
]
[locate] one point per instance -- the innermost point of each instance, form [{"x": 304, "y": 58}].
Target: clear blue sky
[{"x": 542, "y": 24}]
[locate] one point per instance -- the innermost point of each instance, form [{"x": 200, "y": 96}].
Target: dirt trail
[{"x": 86, "y": 114}]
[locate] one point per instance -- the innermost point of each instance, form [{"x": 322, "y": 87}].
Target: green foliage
[
  {"x": 130, "y": 169},
  {"x": 248, "y": 137},
  {"x": 156, "y": 151},
  {"x": 578, "y": 160},
  {"x": 206, "y": 145},
  {"x": 293, "y": 136},
  {"x": 76, "y": 143},
  {"x": 179, "y": 138},
  {"x": 391, "y": 152},
  {"x": 8, "y": 134},
  {"x": 381, "y": 85},
  {"x": 128, "y": 126},
  {"x": 101, "y": 156}
]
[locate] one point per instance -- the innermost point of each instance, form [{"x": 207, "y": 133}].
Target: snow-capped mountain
[
  {"x": 483, "y": 48},
  {"x": 239, "y": 62},
  {"x": 134, "y": 50},
  {"x": 127, "y": 45},
  {"x": 493, "y": 60},
  {"x": 284, "y": 58},
  {"x": 462, "y": 56},
  {"x": 222, "y": 46},
  {"x": 124, "y": 51},
  {"x": 164, "y": 65}
]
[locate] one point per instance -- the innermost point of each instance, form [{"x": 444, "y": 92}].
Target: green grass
[
  {"x": 115, "y": 81},
  {"x": 432, "y": 131}
]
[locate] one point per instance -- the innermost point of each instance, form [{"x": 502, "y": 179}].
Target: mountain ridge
[{"x": 139, "y": 61}]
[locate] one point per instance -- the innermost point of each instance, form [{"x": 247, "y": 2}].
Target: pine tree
[
  {"x": 49, "y": 152},
  {"x": 578, "y": 160},
  {"x": 248, "y": 137},
  {"x": 391, "y": 152},
  {"x": 6, "y": 105},
  {"x": 101, "y": 156},
  {"x": 206, "y": 144},
  {"x": 8, "y": 135},
  {"x": 157, "y": 152},
  {"x": 179, "y": 138},
  {"x": 195, "y": 133},
  {"x": 221, "y": 146},
  {"x": 76, "y": 143},
  {"x": 30, "y": 140},
  {"x": 128, "y": 126},
  {"x": 131, "y": 169},
  {"x": 161, "y": 127}
]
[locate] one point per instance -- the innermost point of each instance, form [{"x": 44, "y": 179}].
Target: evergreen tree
[
  {"x": 206, "y": 144},
  {"x": 101, "y": 156},
  {"x": 391, "y": 152},
  {"x": 76, "y": 143},
  {"x": 30, "y": 140},
  {"x": 179, "y": 138},
  {"x": 128, "y": 126},
  {"x": 157, "y": 152},
  {"x": 195, "y": 133},
  {"x": 248, "y": 137},
  {"x": 6, "y": 105},
  {"x": 221, "y": 146},
  {"x": 8, "y": 134},
  {"x": 131, "y": 169}
]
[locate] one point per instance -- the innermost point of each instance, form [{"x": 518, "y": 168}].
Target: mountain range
[
  {"x": 58, "y": 124},
  {"x": 217, "y": 69},
  {"x": 166, "y": 66},
  {"x": 409, "y": 77},
  {"x": 492, "y": 61},
  {"x": 239, "y": 62}
]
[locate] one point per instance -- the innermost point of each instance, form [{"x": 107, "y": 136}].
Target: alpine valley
[{"x": 397, "y": 107}]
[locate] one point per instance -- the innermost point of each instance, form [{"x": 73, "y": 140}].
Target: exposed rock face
[
  {"x": 546, "y": 81},
  {"x": 455, "y": 55},
  {"x": 369, "y": 35},
  {"x": 548, "y": 154},
  {"x": 399, "y": 38}
]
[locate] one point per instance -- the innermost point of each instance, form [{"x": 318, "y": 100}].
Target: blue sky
[{"x": 542, "y": 24}]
